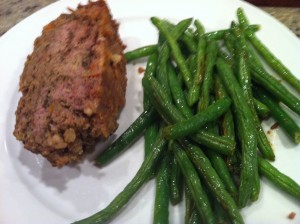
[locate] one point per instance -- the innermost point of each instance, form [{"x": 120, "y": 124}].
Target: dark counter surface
[{"x": 13, "y": 11}]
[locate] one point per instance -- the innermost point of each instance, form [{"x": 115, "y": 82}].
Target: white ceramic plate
[{"x": 34, "y": 192}]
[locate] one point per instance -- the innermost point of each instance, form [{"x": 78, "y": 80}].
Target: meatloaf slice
[{"x": 73, "y": 85}]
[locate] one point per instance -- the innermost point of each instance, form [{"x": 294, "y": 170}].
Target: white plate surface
[{"x": 31, "y": 191}]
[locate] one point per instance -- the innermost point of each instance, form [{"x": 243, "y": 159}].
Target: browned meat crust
[{"x": 73, "y": 85}]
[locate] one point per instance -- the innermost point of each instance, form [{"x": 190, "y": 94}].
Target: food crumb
[
  {"x": 292, "y": 215},
  {"x": 274, "y": 126},
  {"x": 141, "y": 70}
]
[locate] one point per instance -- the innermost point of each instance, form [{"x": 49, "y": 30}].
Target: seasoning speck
[
  {"x": 274, "y": 126},
  {"x": 292, "y": 215},
  {"x": 141, "y": 70}
]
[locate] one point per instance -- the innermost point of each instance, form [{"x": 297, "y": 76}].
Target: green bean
[
  {"x": 193, "y": 182},
  {"x": 220, "y": 213},
  {"x": 142, "y": 175},
  {"x": 186, "y": 37},
  {"x": 220, "y": 144},
  {"x": 275, "y": 63},
  {"x": 253, "y": 27},
  {"x": 256, "y": 186},
  {"x": 128, "y": 137},
  {"x": 215, "y": 35},
  {"x": 161, "y": 101},
  {"x": 221, "y": 169},
  {"x": 178, "y": 57},
  {"x": 200, "y": 30},
  {"x": 220, "y": 34},
  {"x": 243, "y": 20},
  {"x": 211, "y": 56},
  {"x": 282, "y": 117},
  {"x": 180, "y": 79},
  {"x": 190, "y": 54},
  {"x": 246, "y": 46},
  {"x": 270, "y": 58},
  {"x": 177, "y": 93},
  {"x": 245, "y": 82},
  {"x": 262, "y": 110},
  {"x": 229, "y": 41},
  {"x": 150, "y": 71},
  {"x": 213, "y": 181},
  {"x": 262, "y": 140},
  {"x": 274, "y": 87},
  {"x": 162, "y": 71},
  {"x": 152, "y": 129},
  {"x": 161, "y": 204},
  {"x": 193, "y": 124},
  {"x": 263, "y": 143},
  {"x": 227, "y": 123},
  {"x": 174, "y": 28},
  {"x": 195, "y": 219},
  {"x": 171, "y": 114},
  {"x": 191, "y": 31},
  {"x": 188, "y": 40},
  {"x": 175, "y": 179},
  {"x": 212, "y": 127},
  {"x": 194, "y": 91},
  {"x": 164, "y": 52},
  {"x": 219, "y": 88},
  {"x": 140, "y": 52},
  {"x": 149, "y": 136},
  {"x": 227, "y": 57},
  {"x": 279, "y": 179},
  {"x": 189, "y": 205},
  {"x": 234, "y": 164},
  {"x": 191, "y": 62},
  {"x": 246, "y": 131},
  {"x": 228, "y": 130}
]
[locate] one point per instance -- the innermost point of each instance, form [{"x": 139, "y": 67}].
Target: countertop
[{"x": 13, "y": 11}]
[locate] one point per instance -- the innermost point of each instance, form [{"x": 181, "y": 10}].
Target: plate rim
[{"x": 55, "y": 4}]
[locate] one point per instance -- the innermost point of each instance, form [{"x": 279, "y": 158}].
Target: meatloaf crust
[{"x": 73, "y": 85}]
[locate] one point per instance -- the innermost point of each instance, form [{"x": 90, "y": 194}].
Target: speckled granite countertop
[{"x": 13, "y": 11}]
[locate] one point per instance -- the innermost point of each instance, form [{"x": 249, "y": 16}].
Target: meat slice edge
[{"x": 73, "y": 85}]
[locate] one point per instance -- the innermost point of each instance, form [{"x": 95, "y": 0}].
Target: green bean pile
[{"x": 205, "y": 95}]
